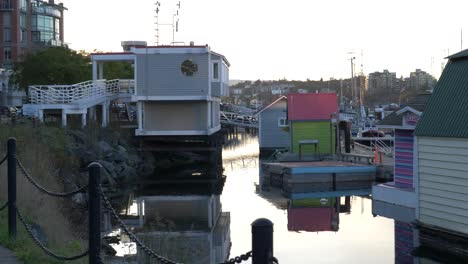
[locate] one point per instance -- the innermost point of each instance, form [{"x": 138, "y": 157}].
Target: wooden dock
[{"x": 320, "y": 176}]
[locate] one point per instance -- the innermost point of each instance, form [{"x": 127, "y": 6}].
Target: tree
[{"x": 56, "y": 65}]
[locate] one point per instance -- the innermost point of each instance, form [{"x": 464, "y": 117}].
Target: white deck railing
[{"x": 66, "y": 94}]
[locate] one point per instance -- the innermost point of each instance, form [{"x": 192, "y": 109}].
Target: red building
[{"x": 29, "y": 25}]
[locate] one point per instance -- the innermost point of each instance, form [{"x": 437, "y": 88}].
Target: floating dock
[{"x": 319, "y": 176}]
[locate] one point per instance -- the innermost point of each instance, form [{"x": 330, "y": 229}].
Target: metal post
[
  {"x": 262, "y": 241},
  {"x": 94, "y": 213},
  {"x": 11, "y": 148}
]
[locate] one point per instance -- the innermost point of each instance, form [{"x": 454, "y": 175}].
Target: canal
[
  {"x": 359, "y": 237},
  {"x": 199, "y": 224}
]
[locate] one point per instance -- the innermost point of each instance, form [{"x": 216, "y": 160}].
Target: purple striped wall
[
  {"x": 404, "y": 243},
  {"x": 403, "y": 175}
]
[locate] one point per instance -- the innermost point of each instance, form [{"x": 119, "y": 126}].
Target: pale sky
[{"x": 293, "y": 39}]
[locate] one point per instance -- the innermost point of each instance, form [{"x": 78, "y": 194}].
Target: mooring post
[
  {"x": 262, "y": 241},
  {"x": 94, "y": 213},
  {"x": 11, "y": 153}
]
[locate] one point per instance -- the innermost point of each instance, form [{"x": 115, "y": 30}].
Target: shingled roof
[
  {"x": 418, "y": 103},
  {"x": 446, "y": 113}
]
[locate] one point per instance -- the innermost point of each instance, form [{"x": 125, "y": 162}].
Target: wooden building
[
  {"x": 273, "y": 127},
  {"x": 310, "y": 119},
  {"x": 402, "y": 191},
  {"x": 442, "y": 147},
  {"x": 178, "y": 89}
]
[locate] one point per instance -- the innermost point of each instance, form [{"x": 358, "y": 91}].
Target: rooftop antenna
[
  {"x": 157, "y": 4},
  {"x": 174, "y": 24}
]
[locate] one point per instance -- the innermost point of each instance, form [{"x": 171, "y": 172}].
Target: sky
[{"x": 294, "y": 39}]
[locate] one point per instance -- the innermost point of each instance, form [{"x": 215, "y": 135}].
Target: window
[
  {"x": 6, "y": 35},
  {"x": 23, "y": 36},
  {"x": 23, "y": 20},
  {"x": 215, "y": 71},
  {"x": 22, "y": 4},
  {"x": 282, "y": 122},
  {"x": 6, "y": 20},
  {"x": 6, "y": 54}
]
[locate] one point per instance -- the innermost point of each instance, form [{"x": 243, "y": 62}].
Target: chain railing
[
  {"x": 41, "y": 246},
  {"x": 44, "y": 190},
  {"x": 262, "y": 229},
  {"x": 127, "y": 231}
]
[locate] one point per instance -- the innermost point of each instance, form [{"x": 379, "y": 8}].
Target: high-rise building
[
  {"x": 29, "y": 25},
  {"x": 420, "y": 81},
  {"x": 384, "y": 85}
]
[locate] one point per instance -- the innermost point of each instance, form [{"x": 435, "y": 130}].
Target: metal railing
[
  {"x": 66, "y": 94},
  {"x": 238, "y": 119}
]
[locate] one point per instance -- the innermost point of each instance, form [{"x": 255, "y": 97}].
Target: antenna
[
  {"x": 157, "y": 4},
  {"x": 174, "y": 24}
]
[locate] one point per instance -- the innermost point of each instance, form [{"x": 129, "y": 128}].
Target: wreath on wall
[{"x": 188, "y": 67}]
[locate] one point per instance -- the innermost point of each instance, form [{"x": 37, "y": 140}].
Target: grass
[
  {"x": 43, "y": 151},
  {"x": 27, "y": 251}
]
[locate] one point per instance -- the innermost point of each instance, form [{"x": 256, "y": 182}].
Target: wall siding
[
  {"x": 160, "y": 75},
  {"x": 443, "y": 182},
  {"x": 313, "y": 130},
  {"x": 178, "y": 115},
  {"x": 404, "y": 242},
  {"x": 272, "y": 136},
  {"x": 404, "y": 147}
]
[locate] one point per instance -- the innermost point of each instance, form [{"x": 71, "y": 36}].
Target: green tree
[
  {"x": 56, "y": 65},
  {"x": 118, "y": 70}
]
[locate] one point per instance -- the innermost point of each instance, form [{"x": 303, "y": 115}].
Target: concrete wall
[
  {"x": 271, "y": 135},
  {"x": 443, "y": 182},
  {"x": 175, "y": 115}
]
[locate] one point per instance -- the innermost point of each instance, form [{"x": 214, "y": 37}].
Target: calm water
[{"x": 360, "y": 238}]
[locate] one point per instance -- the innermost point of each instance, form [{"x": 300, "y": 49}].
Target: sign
[{"x": 410, "y": 119}]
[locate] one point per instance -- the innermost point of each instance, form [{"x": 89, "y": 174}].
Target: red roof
[
  {"x": 313, "y": 219},
  {"x": 312, "y": 106}
]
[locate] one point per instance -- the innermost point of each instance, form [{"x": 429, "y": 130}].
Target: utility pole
[{"x": 352, "y": 78}]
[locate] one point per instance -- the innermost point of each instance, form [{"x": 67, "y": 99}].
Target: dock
[{"x": 317, "y": 176}]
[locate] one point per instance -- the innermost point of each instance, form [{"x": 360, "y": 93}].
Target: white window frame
[
  {"x": 283, "y": 122},
  {"x": 218, "y": 73}
]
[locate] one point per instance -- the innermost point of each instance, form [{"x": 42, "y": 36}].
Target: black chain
[
  {"x": 274, "y": 260},
  {"x": 42, "y": 189},
  {"x": 132, "y": 236},
  {"x": 239, "y": 259},
  {"x": 3, "y": 160},
  {"x": 4, "y": 206},
  {"x": 40, "y": 245}
]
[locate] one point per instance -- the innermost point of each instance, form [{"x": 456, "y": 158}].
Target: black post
[
  {"x": 262, "y": 241},
  {"x": 11, "y": 153},
  {"x": 94, "y": 213}
]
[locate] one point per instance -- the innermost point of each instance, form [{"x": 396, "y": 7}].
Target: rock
[
  {"x": 120, "y": 156},
  {"x": 121, "y": 149},
  {"x": 107, "y": 249},
  {"x": 39, "y": 233},
  {"x": 104, "y": 148}
]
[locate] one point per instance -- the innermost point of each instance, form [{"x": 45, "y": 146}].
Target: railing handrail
[{"x": 64, "y": 94}]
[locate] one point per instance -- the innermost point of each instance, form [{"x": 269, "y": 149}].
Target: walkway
[{"x": 6, "y": 256}]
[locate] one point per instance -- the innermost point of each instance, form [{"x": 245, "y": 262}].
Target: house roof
[
  {"x": 312, "y": 106},
  {"x": 311, "y": 219},
  {"x": 270, "y": 105},
  {"x": 417, "y": 103},
  {"x": 446, "y": 111}
]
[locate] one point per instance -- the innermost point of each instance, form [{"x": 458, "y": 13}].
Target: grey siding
[
  {"x": 160, "y": 75},
  {"x": 272, "y": 136},
  {"x": 443, "y": 182},
  {"x": 219, "y": 89},
  {"x": 175, "y": 115},
  {"x": 215, "y": 114}
]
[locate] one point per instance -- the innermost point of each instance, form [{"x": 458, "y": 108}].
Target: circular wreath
[{"x": 188, "y": 67}]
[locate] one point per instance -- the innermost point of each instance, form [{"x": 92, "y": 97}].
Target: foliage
[
  {"x": 27, "y": 251},
  {"x": 118, "y": 70},
  {"x": 56, "y": 65}
]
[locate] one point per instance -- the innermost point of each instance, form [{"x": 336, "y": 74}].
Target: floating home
[
  {"x": 310, "y": 123},
  {"x": 273, "y": 127},
  {"x": 402, "y": 191},
  {"x": 185, "y": 228},
  {"x": 442, "y": 147},
  {"x": 178, "y": 89}
]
